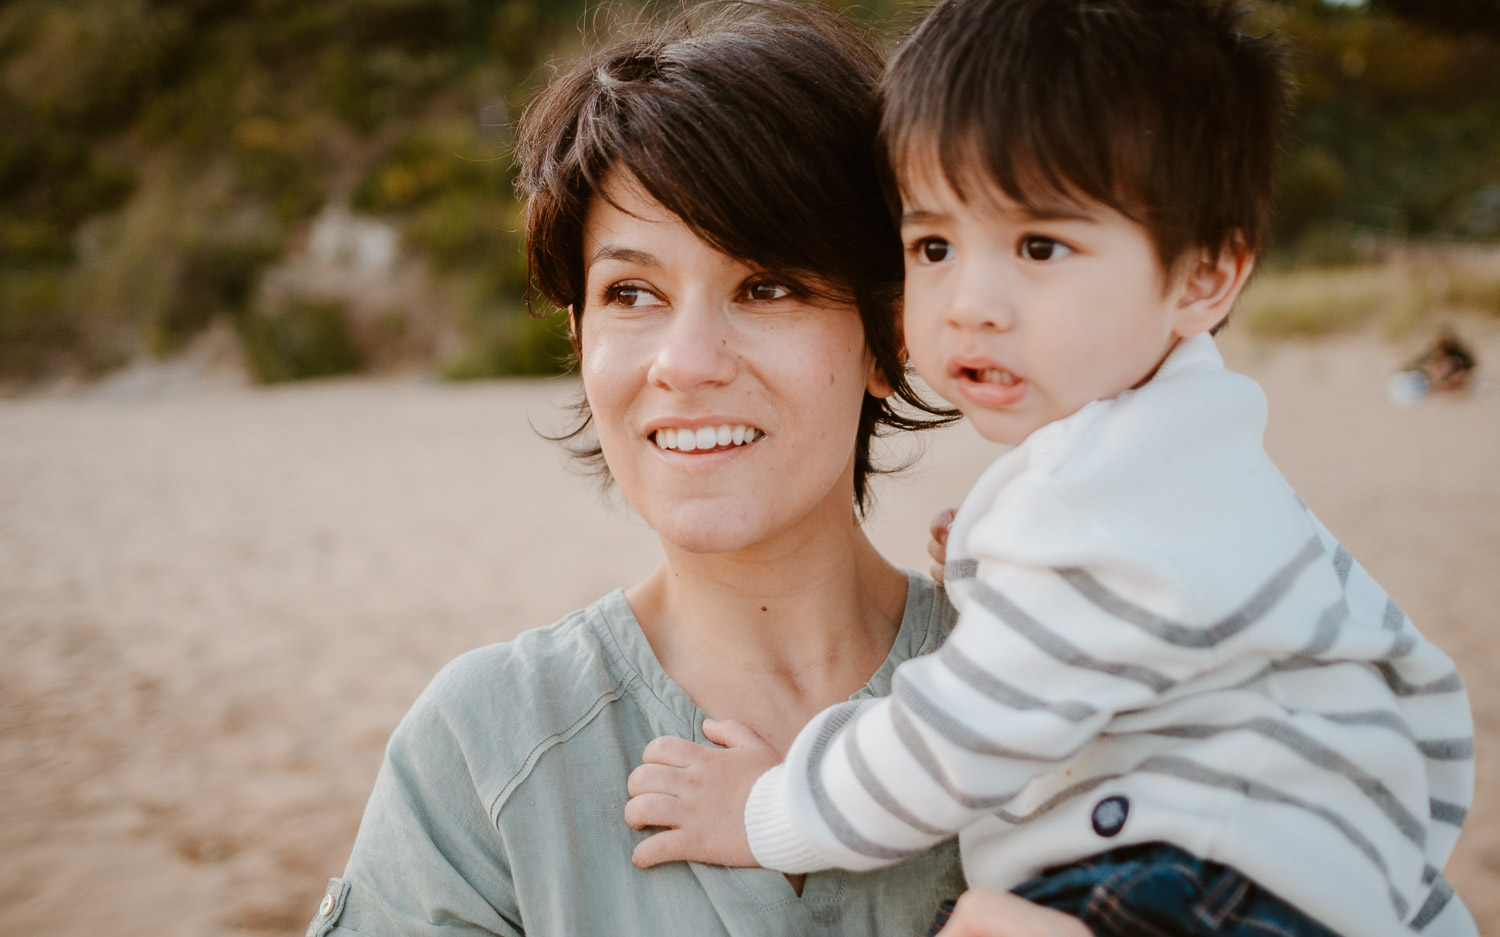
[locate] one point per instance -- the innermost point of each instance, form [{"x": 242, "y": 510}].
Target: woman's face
[{"x": 726, "y": 401}]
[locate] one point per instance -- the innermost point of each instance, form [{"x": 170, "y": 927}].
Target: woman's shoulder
[
  {"x": 925, "y": 624},
  {"x": 531, "y": 676},
  {"x": 569, "y": 648},
  {"x": 500, "y": 705},
  {"x": 929, "y": 615}
]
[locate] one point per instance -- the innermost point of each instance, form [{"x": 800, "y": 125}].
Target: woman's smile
[{"x": 705, "y": 439}]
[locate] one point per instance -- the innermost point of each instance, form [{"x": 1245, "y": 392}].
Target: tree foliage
[{"x": 159, "y": 155}]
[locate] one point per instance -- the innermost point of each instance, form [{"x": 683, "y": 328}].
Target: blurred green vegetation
[
  {"x": 307, "y": 339},
  {"x": 1399, "y": 297},
  {"x": 1397, "y": 133},
  {"x": 161, "y": 155}
]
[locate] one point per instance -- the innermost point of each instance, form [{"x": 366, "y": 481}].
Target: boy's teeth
[
  {"x": 997, "y": 376},
  {"x": 706, "y": 437}
]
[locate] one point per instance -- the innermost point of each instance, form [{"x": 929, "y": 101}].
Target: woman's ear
[
  {"x": 573, "y": 322},
  {"x": 1208, "y": 286},
  {"x": 876, "y": 383}
]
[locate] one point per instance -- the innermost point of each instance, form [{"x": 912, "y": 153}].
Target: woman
[{"x": 706, "y": 206}]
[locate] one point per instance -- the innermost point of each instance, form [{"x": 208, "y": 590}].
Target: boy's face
[{"x": 1018, "y": 318}]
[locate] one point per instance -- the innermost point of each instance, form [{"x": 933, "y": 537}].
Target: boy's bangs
[
  {"x": 1044, "y": 160},
  {"x": 1159, "y": 109}
]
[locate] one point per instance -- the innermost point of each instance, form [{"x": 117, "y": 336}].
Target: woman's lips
[
  {"x": 990, "y": 386},
  {"x": 705, "y": 438}
]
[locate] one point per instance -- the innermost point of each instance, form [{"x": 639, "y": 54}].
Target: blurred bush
[
  {"x": 1397, "y": 130},
  {"x": 162, "y": 156},
  {"x": 163, "y": 159},
  {"x": 307, "y": 339}
]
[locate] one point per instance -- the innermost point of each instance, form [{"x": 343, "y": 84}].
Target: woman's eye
[
  {"x": 632, "y": 296},
  {"x": 1043, "y": 248},
  {"x": 766, "y": 292},
  {"x": 934, "y": 250}
]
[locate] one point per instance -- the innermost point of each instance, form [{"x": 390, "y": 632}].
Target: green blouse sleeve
[{"x": 428, "y": 858}]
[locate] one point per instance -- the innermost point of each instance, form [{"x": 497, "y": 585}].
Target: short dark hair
[
  {"x": 753, "y": 121},
  {"x": 1161, "y": 109}
]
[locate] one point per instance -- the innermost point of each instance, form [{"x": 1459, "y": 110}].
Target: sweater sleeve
[
  {"x": 1106, "y": 572},
  {"x": 1015, "y": 692}
]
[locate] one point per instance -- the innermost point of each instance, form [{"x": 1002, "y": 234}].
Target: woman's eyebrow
[{"x": 624, "y": 255}]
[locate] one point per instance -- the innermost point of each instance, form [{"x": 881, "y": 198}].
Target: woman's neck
[{"x": 773, "y": 634}]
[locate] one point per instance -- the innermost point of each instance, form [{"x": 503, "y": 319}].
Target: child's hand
[
  {"x": 981, "y": 913},
  {"x": 937, "y": 547},
  {"x": 699, "y": 794}
]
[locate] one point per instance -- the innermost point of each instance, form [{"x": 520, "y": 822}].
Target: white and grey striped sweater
[{"x": 1156, "y": 642}]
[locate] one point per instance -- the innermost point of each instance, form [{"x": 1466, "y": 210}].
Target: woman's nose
[{"x": 696, "y": 349}]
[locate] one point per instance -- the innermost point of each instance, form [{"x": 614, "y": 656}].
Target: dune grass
[{"x": 1397, "y": 296}]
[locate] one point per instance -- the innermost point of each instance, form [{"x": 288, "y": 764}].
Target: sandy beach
[{"x": 216, "y": 601}]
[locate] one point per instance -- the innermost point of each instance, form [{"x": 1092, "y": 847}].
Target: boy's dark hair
[
  {"x": 1161, "y": 109},
  {"x": 754, "y": 121}
]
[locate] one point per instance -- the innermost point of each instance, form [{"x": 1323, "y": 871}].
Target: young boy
[{"x": 1172, "y": 704}]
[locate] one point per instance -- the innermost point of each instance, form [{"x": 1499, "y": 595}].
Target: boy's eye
[
  {"x": 1043, "y": 248},
  {"x": 625, "y": 295},
  {"x": 767, "y": 291},
  {"x": 934, "y": 250}
]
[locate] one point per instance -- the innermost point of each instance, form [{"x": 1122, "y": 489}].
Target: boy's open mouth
[
  {"x": 998, "y": 376},
  {"x": 706, "y": 438}
]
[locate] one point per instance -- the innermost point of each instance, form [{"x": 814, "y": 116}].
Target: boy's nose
[
  {"x": 696, "y": 349},
  {"x": 980, "y": 301}
]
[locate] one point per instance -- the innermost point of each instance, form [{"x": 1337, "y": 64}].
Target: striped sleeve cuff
[{"x": 775, "y": 839}]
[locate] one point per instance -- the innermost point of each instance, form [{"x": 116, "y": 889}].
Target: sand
[{"x": 216, "y": 602}]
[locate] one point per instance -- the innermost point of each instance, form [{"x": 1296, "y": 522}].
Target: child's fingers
[
  {"x": 937, "y": 547},
  {"x": 731, "y": 733},
  {"x": 652, "y": 809},
  {"x": 671, "y": 750},
  {"x": 941, "y": 521},
  {"x": 938, "y": 551},
  {"x": 651, "y": 778},
  {"x": 666, "y": 846}
]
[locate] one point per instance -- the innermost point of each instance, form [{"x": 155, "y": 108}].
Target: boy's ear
[{"x": 1208, "y": 286}]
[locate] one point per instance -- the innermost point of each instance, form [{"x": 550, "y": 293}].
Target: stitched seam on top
[
  {"x": 548, "y": 742},
  {"x": 617, "y": 651}
]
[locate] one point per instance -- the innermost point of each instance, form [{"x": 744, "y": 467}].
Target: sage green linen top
[{"x": 498, "y": 809}]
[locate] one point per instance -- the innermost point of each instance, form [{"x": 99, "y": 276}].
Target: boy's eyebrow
[
  {"x": 1056, "y": 212},
  {"x": 623, "y": 254},
  {"x": 920, "y": 216}
]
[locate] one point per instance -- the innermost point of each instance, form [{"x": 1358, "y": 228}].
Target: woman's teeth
[{"x": 706, "y": 437}]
